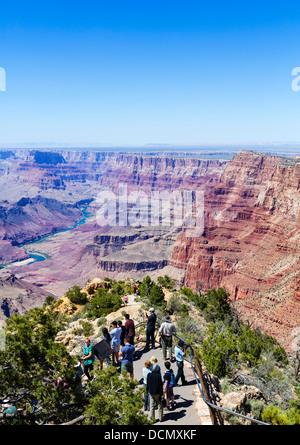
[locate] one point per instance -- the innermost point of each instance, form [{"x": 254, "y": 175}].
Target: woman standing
[{"x": 88, "y": 357}]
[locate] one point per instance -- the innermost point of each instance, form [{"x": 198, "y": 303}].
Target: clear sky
[{"x": 148, "y": 72}]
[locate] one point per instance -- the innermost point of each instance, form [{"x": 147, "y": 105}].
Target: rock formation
[
  {"x": 249, "y": 246},
  {"x": 18, "y": 296},
  {"x": 251, "y": 242}
]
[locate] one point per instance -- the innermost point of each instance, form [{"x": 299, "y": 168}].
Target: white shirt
[
  {"x": 146, "y": 371},
  {"x": 167, "y": 328},
  {"x": 115, "y": 336}
]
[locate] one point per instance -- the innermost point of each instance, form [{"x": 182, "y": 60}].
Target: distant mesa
[{"x": 45, "y": 157}]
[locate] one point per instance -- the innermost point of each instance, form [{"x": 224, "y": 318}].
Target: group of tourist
[
  {"x": 158, "y": 387},
  {"x": 120, "y": 338}
]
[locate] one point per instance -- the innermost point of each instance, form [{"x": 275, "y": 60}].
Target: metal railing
[{"x": 211, "y": 405}]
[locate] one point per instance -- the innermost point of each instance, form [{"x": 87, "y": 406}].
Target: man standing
[
  {"x": 150, "y": 329},
  {"x": 166, "y": 330},
  {"x": 88, "y": 357},
  {"x": 179, "y": 357},
  {"x": 130, "y": 329},
  {"x": 126, "y": 355},
  {"x": 155, "y": 389}
]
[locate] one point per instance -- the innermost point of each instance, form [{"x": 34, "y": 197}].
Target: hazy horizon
[{"x": 206, "y": 152}]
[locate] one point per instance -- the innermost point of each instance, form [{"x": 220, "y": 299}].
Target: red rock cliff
[{"x": 251, "y": 243}]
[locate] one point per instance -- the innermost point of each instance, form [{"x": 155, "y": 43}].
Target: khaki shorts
[{"x": 128, "y": 367}]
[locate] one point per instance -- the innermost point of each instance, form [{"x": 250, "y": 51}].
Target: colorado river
[{"x": 35, "y": 255}]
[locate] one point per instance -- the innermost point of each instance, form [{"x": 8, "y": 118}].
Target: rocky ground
[{"x": 190, "y": 409}]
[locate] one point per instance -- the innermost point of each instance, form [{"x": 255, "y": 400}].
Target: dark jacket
[
  {"x": 151, "y": 322},
  {"x": 130, "y": 328},
  {"x": 154, "y": 383}
]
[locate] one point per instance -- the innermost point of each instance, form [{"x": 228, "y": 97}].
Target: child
[{"x": 168, "y": 388}]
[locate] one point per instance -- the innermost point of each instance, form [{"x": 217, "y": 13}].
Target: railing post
[{"x": 214, "y": 417}]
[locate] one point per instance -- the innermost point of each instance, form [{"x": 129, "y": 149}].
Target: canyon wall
[
  {"x": 249, "y": 246},
  {"x": 251, "y": 242}
]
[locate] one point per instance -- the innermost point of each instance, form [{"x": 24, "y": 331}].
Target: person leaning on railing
[
  {"x": 150, "y": 328},
  {"x": 179, "y": 357}
]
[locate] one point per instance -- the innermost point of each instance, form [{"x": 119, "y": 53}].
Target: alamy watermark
[
  {"x": 178, "y": 209},
  {"x": 2, "y": 79},
  {"x": 296, "y": 80}
]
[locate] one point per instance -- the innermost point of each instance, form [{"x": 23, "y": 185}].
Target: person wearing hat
[
  {"x": 166, "y": 331},
  {"x": 150, "y": 329}
]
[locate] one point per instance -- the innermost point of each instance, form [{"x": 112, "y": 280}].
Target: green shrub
[
  {"x": 104, "y": 303},
  {"x": 157, "y": 296},
  {"x": 189, "y": 330},
  {"x": 101, "y": 321},
  {"x": 118, "y": 289},
  {"x": 145, "y": 287},
  {"x": 175, "y": 303},
  {"x": 167, "y": 282},
  {"x": 50, "y": 300},
  {"x": 250, "y": 345},
  {"x": 217, "y": 306},
  {"x": 256, "y": 407},
  {"x": 275, "y": 416},
  {"x": 220, "y": 351},
  {"x": 280, "y": 355},
  {"x": 76, "y": 296},
  {"x": 87, "y": 328}
]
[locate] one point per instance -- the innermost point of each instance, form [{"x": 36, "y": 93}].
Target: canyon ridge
[{"x": 50, "y": 237}]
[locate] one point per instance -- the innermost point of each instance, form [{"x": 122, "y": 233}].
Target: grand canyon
[{"x": 50, "y": 238}]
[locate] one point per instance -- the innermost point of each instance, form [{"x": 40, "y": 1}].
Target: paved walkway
[{"x": 190, "y": 408}]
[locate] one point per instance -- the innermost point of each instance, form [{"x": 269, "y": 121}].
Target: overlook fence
[
  {"x": 203, "y": 387},
  {"x": 202, "y": 384}
]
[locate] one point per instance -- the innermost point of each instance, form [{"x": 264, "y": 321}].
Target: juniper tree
[{"x": 32, "y": 362}]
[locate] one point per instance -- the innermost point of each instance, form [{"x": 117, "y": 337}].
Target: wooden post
[{"x": 214, "y": 416}]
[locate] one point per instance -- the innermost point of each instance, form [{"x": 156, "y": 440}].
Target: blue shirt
[
  {"x": 115, "y": 336},
  {"x": 127, "y": 352}
]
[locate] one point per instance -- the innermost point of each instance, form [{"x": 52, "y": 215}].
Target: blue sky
[{"x": 149, "y": 72}]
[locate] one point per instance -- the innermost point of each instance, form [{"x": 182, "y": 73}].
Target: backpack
[{"x": 172, "y": 380}]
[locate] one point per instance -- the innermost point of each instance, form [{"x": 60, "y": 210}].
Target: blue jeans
[
  {"x": 180, "y": 373},
  {"x": 150, "y": 338},
  {"x": 146, "y": 398}
]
